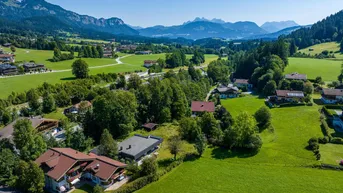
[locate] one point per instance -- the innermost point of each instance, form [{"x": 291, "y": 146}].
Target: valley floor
[{"x": 282, "y": 165}]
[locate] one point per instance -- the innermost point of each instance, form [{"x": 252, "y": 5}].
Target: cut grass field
[
  {"x": 331, "y": 153},
  {"x": 24, "y": 83},
  {"x": 139, "y": 59},
  {"x": 43, "y": 56},
  {"x": 282, "y": 165},
  {"x": 327, "y": 69}
]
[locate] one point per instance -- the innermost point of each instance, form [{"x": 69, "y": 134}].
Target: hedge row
[
  {"x": 325, "y": 128},
  {"x": 292, "y": 104},
  {"x": 143, "y": 181},
  {"x": 327, "y": 112}
]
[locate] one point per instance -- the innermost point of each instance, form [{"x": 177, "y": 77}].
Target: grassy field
[
  {"x": 280, "y": 166},
  {"x": 24, "y": 83},
  {"x": 43, "y": 56},
  {"x": 327, "y": 69},
  {"x": 139, "y": 59},
  {"x": 209, "y": 175},
  {"x": 331, "y": 153},
  {"x": 319, "y": 48}
]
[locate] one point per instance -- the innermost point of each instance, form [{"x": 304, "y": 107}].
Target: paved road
[{"x": 118, "y": 60}]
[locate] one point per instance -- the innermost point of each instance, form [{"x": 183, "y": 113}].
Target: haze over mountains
[{"x": 40, "y": 10}]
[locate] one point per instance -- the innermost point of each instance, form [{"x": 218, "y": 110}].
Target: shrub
[
  {"x": 337, "y": 140},
  {"x": 325, "y": 129}
]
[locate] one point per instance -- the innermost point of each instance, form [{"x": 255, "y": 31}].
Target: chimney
[
  {"x": 129, "y": 146},
  {"x": 121, "y": 148}
]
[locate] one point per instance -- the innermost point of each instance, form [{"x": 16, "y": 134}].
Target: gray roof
[{"x": 138, "y": 145}]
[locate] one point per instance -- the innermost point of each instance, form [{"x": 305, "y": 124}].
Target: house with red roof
[
  {"x": 64, "y": 167},
  {"x": 199, "y": 107}
]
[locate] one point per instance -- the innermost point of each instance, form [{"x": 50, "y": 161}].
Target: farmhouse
[
  {"x": 296, "y": 76},
  {"x": 201, "y": 107},
  {"x": 243, "y": 83},
  {"x": 287, "y": 96},
  {"x": 65, "y": 167},
  {"x": 127, "y": 48},
  {"x": 7, "y": 58},
  {"x": 138, "y": 146},
  {"x": 40, "y": 124},
  {"x": 7, "y": 69},
  {"x": 229, "y": 91},
  {"x": 143, "y": 52},
  {"x": 149, "y": 63},
  {"x": 76, "y": 108},
  {"x": 332, "y": 96},
  {"x": 30, "y": 67}
]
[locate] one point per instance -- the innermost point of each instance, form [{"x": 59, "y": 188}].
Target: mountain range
[
  {"x": 40, "y": 12},
  {"x": 275, "y": 26}
]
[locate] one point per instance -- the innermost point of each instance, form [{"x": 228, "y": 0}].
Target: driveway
[{"x": 117, "y": 184}]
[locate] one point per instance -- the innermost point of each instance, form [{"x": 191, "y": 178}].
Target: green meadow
[
  {"x": 327, "y": 69},
  {"x": 24, "y": 83},
  {"x": 319, "y": 48},
  {"x": 139, "y": 59},
  {"x": 43, "y": 56},
  {"x": 282, "y": 165}
]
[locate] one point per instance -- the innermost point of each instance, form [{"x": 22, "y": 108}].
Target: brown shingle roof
[
  {"x": 150, "y": 62},
  {"x": 296, "y": 76},
  {"x": 104, "y": 167},
  {"x": 199, "y": 106},
  {"x": 150, "y": 126},
  {"x": 6, "y": 55},
  {"x": 60, "y": 160},
  {"x": 332, "y": 92},
  {"x": 288, "y": 93},
  {"x": 241, "y": 81}
]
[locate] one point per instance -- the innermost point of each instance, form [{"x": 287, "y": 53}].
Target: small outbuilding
[{"x": 150, "y": 126}]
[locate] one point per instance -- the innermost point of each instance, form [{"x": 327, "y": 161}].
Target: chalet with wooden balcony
[{"x": 65, "y": 167}]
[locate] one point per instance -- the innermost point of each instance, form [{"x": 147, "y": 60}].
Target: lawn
[
  {"x": 327, "y": 69},
  {"x": 43, "y": 56},
  {"x": 248, "y": 103},
  {"x": 166, "y": 131},
  {"x": 280, "y": 166},
  {"x": 58, "y": 114},
  {"x": 331, "y": 153},
  {"x": 84, "y": 189}
]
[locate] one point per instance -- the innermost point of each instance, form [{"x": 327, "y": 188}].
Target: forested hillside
[{"x": 329, "y": 29}]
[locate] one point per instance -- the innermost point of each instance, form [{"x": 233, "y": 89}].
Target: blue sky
[{"x": 162, "y": 12}]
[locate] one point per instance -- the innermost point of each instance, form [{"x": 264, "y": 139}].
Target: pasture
[
  {"x": 24, "y": 83},
  {"x": 327, "y": 69},
  {"x": 280, "y": 166},
  {"x": 43, "y": 56},
  {"x": 138, "y": 60},
  {"x": 319, "y": 48},
  {"x": 210, "y": 175}
]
